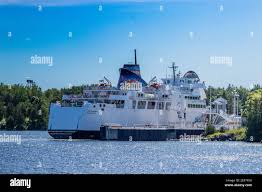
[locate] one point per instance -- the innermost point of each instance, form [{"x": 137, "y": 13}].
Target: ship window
[
  {"x": 79, "y": 103},
  {"x": 168, "y": 106},
  {"x": 141, "y": 104},
  {"x": 160, "y": 105},
  {"x": 151, "y": 105},
  {"x": 196, "y": 106},
  {"x": 120, "y": 103},
  {"x": 134, "y": 104},
  {"x": 90, "y": 101}
]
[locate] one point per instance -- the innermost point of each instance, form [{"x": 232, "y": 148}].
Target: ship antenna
[
  {"x": 166, "y": 73},
  {"x": 174, "y": 67},
  {"x": 135, "y": 58}
]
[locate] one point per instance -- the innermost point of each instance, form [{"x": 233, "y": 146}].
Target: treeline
[
  {"x": 250, "y": 107},
  {"x": 27, "y": 107},
  {"x": 228, "y": 94},
  {"x": 253, "y": 112}
]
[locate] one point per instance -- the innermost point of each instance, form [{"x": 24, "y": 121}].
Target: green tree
[
  {"x": 253, "y": 112},
  {"x": 19, "y": 116},
  {"x": 210, "y": 129},
  {"x": 10, "y": 123},
  {"x": 2, "y": 110}
]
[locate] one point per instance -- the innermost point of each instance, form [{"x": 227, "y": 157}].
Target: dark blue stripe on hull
[
  {"x": 154, "y": 134},
  {"x": 124, "y": 134},
  {"x": 75, "y": 134}
]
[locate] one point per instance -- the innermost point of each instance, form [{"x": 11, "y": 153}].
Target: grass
[{"x": 234, "y": 134}]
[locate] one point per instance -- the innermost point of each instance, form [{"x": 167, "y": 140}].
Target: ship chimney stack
[{"x": 135, "y": 58}]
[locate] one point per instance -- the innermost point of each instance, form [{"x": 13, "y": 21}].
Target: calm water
[{"x": 39, "y": 153}]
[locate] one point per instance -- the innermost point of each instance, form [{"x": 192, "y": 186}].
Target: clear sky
[{"x": 184, "y": 31}]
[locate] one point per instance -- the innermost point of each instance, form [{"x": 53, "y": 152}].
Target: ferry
[{"x": 134, "y": 109}]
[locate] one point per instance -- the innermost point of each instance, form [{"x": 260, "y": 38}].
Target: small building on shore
[{"x": 219, "y": 105}]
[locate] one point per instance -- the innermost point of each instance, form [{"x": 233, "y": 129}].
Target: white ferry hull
[{"x": 86, "y": 121}]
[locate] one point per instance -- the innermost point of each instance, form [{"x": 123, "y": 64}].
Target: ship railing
[
  {"x": 150, "y": 126},
  {"x": 176, "y": 125}
]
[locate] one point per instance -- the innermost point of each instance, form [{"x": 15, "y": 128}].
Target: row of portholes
[{"x": 100, "y": 105}]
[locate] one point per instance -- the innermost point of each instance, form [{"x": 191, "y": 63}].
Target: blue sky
[{"x": 156, "y": 34}]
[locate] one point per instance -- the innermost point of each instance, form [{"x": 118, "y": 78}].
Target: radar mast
[{"x": 174, "y": 67}]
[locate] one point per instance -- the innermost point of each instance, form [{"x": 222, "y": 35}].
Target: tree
[
  {"x": 10, "y": 123},
  {"x": 210, "y": 129},
  {"x": 253, "y": 112},
  {"x": 2, "y": 110},
  {"x": 19, "y": 116}
]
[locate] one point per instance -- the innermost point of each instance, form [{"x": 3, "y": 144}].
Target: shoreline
[{"x": 215, "y": 137}]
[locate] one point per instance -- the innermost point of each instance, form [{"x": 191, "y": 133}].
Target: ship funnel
[{"x": 130, "y": 73}]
